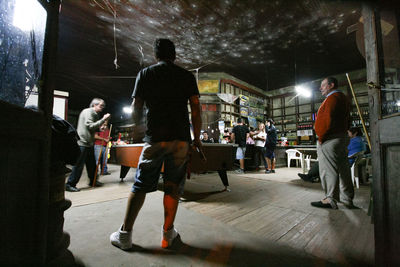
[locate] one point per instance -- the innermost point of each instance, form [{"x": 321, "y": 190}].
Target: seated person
[
  {"x": 206, "y": 138},
  {"x": 356, "y": 143},
  {"x": 312, "y": 175}
]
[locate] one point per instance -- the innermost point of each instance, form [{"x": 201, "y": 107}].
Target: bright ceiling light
[
  {"x": 27, "y": 14},
  {"x": 127, "y": 110},
  {"x": 303, "y": 91}
]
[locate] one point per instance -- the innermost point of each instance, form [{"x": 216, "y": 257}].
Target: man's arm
[
  {"x": 92, "y": 124},
  {"x": 196, "y": 118},
  {"x": 139, "y": 128}
]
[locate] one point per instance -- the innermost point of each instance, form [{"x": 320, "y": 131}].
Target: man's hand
[
  {"x": 106, "y": 116},
  {"x": 197, "y": 145}
]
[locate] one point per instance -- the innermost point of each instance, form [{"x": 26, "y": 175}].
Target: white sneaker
[
  {"x": 122, "y": 239},
  {"x": 168, "y": 237}
]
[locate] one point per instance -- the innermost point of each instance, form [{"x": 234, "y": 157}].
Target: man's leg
[
  {"x": 241, "y": 162},
  {"x": 263, "y": 158},
  {"x": 328, "y": 159},
  {"x": 273, "y": 164},
  {"x": 135, "y": 203},
  {"x": 104, "y": 160},
  {"x": 345, "y": 184},
  {"x": 76, "y": 173},
  {"x": 240, "y": 154},
  {"x": 90, "y": 164},
  {"x": 146, "y": 180},
  {"x": 269, "y": 164},
  {"x": 171, "y": 200}
]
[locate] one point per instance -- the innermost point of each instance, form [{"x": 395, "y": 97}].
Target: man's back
[
  {"x": 240, "y": 132},
  {"x": 166, "y": 88}
]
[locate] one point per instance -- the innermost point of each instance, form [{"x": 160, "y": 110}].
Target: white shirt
[{"x": 260, "y": 142}]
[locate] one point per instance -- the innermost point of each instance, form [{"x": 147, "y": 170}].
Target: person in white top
[{"x": 259, "y": 137}]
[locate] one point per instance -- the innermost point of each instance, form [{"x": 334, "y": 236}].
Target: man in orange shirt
[{"x": 331, "y": 126}]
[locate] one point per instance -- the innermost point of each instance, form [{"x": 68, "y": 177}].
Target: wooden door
[{"x": 381, "y": 29}]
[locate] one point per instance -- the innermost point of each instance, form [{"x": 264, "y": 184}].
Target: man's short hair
[
  {"x": 333, "y": 80},
  {"x": 271, "y": 121},
  {"x": 239, "y": 120},
  {"x": 205, "y": 132},
  {"x": 96, "y": 101},
  {"x": 164, "y": 49}
]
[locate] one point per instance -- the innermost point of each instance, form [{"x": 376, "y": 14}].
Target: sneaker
[
  {"x": 107, "y": 173},
  {"x": 268, "y": 171},
  {"x": 71, "y": 188},
  {"x": 168, "y": 237},
  {"x": 122, "y": 239},
  {"x": 240, "y": 171},
  {"x": 273, "y": 171}
]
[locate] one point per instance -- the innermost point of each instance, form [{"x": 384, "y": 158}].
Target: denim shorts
[
  {"x": 240, "y": 152},
  {"x": 269, "y": 153},
  {"x": 174, "y": 156}
]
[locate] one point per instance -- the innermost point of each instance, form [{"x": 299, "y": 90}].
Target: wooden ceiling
[{"x": 269, "y": 44}]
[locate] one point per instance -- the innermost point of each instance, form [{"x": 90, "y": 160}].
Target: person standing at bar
[
  {"x": 239, "y": 135},
  {"x": 331, "y": 125},
  {"x": 165, "y": 89},
  {"x": 100, "y": 146},
  {"x": 270, "y": 146},
  {"x": 88, "y": 123}
]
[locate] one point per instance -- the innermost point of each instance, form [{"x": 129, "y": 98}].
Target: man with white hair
[{"x": 88, "y": 124}]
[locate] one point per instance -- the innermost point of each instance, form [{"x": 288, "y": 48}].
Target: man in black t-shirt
[
  {"x": 239, "y": 134},
  {"x": 165, "y": 89}
]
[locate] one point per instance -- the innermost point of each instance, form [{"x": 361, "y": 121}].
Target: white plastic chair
[
  {"x": 294, "y": 154},
  {"x": 308, "y": 160},
  {"x": 354, "y": 172}
]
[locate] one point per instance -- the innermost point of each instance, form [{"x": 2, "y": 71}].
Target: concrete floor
[{"x": 205, "y": 241}]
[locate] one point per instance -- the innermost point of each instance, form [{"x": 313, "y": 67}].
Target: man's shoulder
[{"x": 87, "y": 111}]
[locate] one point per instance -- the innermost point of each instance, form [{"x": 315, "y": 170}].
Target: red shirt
[
  {"x": 333, "y": 117},
  {"x": 103, "y": 134}
]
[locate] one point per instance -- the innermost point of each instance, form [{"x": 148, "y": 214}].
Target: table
[{"x": 220, "y": 157}]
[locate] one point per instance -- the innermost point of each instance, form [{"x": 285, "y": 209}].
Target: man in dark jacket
[{"x": 270, "y": 145}]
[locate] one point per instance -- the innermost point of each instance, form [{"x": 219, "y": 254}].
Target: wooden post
[
  {"x": 371, "y": 26},
  {"x": 359, "y": 111}
]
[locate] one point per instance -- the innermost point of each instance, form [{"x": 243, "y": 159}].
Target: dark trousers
[
  {"x": 259, "y": 153},
  {"x": 86, "y": 157},
  {"x": 224, "y": 177}
]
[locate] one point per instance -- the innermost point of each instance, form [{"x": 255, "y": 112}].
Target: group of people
[
  {"x": 89, "y": 123},
  {"x": 165, "y": 89},
  {"x": 265, "y": 140}
]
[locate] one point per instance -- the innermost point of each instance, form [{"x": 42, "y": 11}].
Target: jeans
[
  {"x": 86, "y": 157},
  {"x": 259, "y": 153},
  {"x": 103, "y": 158}
]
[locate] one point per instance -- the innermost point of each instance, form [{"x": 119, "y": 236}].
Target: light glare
[
  {"x": 127, "y": 110},
  {"x": 25, "y": 13},
  {"x": 303, "y": 91}
]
